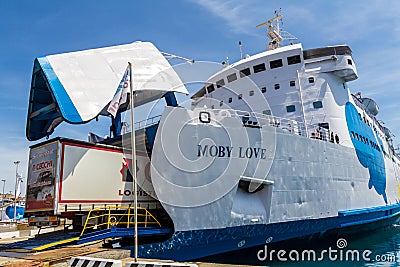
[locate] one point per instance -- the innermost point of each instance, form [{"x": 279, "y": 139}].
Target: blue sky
[{"x": 206, "y": 30}]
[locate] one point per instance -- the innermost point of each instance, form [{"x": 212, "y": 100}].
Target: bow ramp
[
  {"x": 77, "y": 87},
  {"x": 116, "y": 222}
]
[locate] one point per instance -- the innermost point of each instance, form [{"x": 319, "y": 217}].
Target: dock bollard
[{"x": 90, "y": 262}]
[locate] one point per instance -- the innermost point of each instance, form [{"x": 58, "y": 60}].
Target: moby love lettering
[{"x": 229, "y": 151}]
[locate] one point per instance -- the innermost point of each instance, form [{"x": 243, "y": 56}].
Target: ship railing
[
  {"x": 288, "y": 125},
  {"x": 255, "y": 119},
  {"x": 316, "y": 131},
  {"x": 249, "y": 119}
]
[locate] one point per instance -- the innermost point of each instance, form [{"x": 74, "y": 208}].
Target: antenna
[
  {"x": 240, "y": 47},
  {"x": 274, "y": 32}
]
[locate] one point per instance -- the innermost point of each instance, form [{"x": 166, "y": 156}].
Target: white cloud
[
  {"x": 232, "y": 12},
  {"x": 361, "y": 21},
  {"x": 338, "y": 20}
]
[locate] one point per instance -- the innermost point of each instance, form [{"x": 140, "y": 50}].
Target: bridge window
[
  {"x": 220, "y": 83},
  {"x": 259, "y": 68},
  {"x": 231, "y": 77},
  {"x": 244, "y": 72},
  {"x": 230, "y": 100},
  {"x": 263, "y": 89},
  {"x": 251, "y": 93},
  {"x": 277, "y": 86},
  {"x": 311, "y": 80},
  {"x": 293, "y": 60},
  {"x": 291, "y": 108},
  {"x": 210, "y": 88},
  {"x": 267, "y": 112},
  {"x": 292, "y": 83},
  {"x": 240, "y": 96},
  {"x": 349, "y": 61},
  {"x": 317, "y": 104},
  {"x": 221, "y": 103},
  {"x": 275, "y": 63}
]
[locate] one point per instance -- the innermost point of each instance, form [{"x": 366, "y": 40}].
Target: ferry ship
[{"x": 275, "y": 146}]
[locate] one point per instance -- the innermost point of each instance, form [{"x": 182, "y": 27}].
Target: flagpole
[
  {"x": 15, "y": 192},
  {"x": 133, "y": 146}
]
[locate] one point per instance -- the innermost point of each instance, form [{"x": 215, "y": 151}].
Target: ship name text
[{"x": 229, "y": 151}]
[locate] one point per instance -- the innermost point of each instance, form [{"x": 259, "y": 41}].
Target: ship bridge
[{"x": 77, "y": 87}]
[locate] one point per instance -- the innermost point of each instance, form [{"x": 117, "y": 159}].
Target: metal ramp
[
  {"x": 113, "y": 222},
  {"x": 115, "y": 232},
  {"x": 41, "y": 240}
]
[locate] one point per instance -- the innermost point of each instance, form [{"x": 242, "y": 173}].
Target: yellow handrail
[
  {"x": 129, "y": 215},
  {"x": 121, "y": 212}
]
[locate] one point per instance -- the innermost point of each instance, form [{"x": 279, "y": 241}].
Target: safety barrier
[
  {"x": 118, "y": 216},
  {"x": 94, "y": 262}
]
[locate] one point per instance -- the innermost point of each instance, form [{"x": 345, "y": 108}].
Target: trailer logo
[
  {"x": 43, "y": 154},
  {"x": 44, "y": 165},
  {"x": 142, "y": 170},
  {"x": 126, "y": 173}
]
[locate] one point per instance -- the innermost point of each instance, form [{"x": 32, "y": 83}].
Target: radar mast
[{"x": 274, "y": 32}]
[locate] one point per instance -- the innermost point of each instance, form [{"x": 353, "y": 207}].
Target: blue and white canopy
[{"x": 76, "y": 87}]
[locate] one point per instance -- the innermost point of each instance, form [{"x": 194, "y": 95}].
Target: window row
[
  {"x": 289, "y": 108},
  {"x": 370, "y": 124},
  {"x": 365, "y": 120},
  {"x": 365, "y": 140},
  {"x": 277, "y": 86},
  {"x": 273, "y": 64}
]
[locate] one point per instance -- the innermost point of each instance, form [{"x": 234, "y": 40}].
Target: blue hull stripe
[{"x": 368, "y": 221}]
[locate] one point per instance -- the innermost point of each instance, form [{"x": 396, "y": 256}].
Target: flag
[
  {"x": 121, "y": 95},
  {"x": 18, "y": 192}
]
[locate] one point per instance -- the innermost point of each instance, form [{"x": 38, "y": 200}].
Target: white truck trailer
[{"x": 68, "y": 178}]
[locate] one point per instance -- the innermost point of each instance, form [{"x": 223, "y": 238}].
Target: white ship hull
[{"x": 308, "y": 186}]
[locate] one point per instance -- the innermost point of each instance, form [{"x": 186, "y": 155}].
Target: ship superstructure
[{"x": 301, "y": 91}]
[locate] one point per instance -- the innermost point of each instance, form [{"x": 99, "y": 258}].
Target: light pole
[
  {"x": 15, "y": 189},
  {"x": 2, "y": 199}
]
